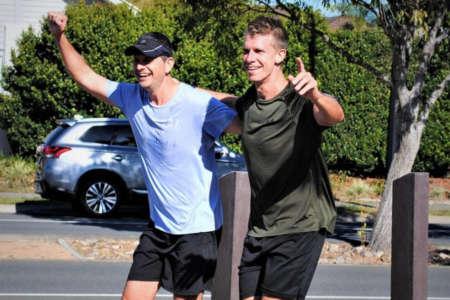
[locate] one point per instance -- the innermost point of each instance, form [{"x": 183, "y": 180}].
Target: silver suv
[{"x": 94, "y": 163}]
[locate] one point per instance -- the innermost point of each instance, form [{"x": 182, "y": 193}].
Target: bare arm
[
  {"x": 228, "y": 99},
  {"x": 327, "y": 110},
  {"x": 235, "y": 126},
  {"x": 83, "y": 75}
]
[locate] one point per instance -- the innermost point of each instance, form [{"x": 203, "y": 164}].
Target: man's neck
[
  {"x": 269, "y": 90},
  {"x": 164, "y": 92},
  {"x": 272, "y": 85}
]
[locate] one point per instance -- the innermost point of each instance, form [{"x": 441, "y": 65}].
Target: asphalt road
[
  {"x": 36, "y": 280},
  {"x": 104, "y": 280},
  {"x": 60, "y": 220}
]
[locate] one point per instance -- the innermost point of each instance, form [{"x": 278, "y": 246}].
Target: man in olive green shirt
[{"x": 292, "y": 206}]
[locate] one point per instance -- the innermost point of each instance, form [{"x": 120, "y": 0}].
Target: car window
[
  {"x": 98, "y": 134},
  {"x": 54, "y": 134},
  {"x": 124, "y": 137}
]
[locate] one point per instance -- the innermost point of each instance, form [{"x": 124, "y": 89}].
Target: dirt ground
[
  {"x": 34, "y": 250},
  {"x": 111, "y": 250}
]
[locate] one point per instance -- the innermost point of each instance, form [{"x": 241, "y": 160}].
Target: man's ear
[
  {"x": 280, "y": 56},
  {"x": 169, "y": 63}
]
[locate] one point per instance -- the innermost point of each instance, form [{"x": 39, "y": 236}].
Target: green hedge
[{"x": 208, "y": 54}]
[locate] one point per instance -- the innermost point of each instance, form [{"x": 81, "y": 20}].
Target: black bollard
[
  {"x": 235, "y": 193},
  {"x": 409, "y": 267}
]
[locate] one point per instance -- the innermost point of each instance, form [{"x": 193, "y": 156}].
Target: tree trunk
[{"x": 402, "y": 164}]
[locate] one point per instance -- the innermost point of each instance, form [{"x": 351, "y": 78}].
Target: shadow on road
[{"x": 132, "y": 216}]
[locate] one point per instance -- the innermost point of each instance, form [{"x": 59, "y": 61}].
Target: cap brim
[
  {"x": 149, "y": 52},
  {"x": 138, "y": 50}
]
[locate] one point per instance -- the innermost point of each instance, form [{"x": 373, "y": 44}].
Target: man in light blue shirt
[{"x": 175, "y": 127}]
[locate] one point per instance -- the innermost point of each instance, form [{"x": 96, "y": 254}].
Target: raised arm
[
  {"x": 228, "y": 99},
  {"x": 327, "y": 110},
  {"x": 235, "y": 126},
  {"x": 83, "y": 75}
]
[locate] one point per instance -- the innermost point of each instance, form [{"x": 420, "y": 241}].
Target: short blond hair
[{"x": 268, "y": 26}]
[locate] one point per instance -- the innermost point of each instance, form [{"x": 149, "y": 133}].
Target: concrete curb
[
  {"x": 8, "y": 208},
  {"x": 66, "y": 246},
  {"x": 20, "y": 195}
]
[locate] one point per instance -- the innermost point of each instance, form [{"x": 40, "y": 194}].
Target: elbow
[
  {"x": 337, "y": 118},
  {"x": 341, "y": 116}
]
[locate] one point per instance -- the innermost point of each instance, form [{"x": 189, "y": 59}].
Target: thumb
[
  {"x": 291, "y": 78},
  {"x": 301, "y": 67}
]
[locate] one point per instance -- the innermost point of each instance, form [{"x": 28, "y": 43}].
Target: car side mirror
[{"x": 221, "y": 152}]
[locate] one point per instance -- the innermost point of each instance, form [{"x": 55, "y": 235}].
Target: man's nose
[
  {"x": 139, "y": 66},
  {"x": 249, "y": 56}
]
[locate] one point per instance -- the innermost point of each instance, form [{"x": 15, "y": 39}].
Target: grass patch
[
  {"x": 357, "y": 209},
  {"x": 438, "y": 193},
  {"x": 439, "y": 213},
  {"x": 377, "y": 186},
  {"x": 352, "y": 209},
  {"x": 15, "y": 200},
  {"x": 16, "y": 174},
  {"x": 358, "y": 188}
]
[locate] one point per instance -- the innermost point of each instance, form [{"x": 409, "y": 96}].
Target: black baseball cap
[{"x": 151, "y": 44}]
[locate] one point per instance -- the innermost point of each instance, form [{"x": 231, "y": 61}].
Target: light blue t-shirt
[{"x": 176, "y": 143}]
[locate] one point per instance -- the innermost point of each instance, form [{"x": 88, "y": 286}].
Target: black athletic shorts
[
  {"x": 280, "y": 266},
  {"x": 183, "y": 264}
]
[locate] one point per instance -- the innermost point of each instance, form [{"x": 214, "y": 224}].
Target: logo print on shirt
[{"x": 169, "y": 124}]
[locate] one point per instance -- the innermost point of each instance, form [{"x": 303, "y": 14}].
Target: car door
[{"x": 125, "y": 158}]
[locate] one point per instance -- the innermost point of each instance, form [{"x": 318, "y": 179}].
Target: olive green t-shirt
[{"x": 290, "y": 187}]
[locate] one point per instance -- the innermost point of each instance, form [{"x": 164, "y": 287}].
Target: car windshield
[{"x": 55, "y": 133}]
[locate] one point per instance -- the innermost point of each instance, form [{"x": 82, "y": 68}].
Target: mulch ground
[{"x": 100, "y": 249}]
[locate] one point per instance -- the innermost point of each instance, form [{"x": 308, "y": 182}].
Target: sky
[{"x": 317, "y": 4}]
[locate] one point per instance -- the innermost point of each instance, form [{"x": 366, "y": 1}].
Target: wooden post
[
  {"x": 409, "y": 268},
  {"x": 235, "y": 193}
]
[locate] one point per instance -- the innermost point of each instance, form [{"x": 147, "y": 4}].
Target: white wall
[{"x": 15, "y": 17}]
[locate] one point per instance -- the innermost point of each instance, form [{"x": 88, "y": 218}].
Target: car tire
[{"x": 100, "y": 197}]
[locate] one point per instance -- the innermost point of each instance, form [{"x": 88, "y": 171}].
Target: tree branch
[
  {"x": 428, "y": 51},
  {"x": 267, "y": 8},
  {"x": 348, "y": 56},
  {"x": 433, "y": 98},
  {"x": 367, "y": 6},
  {"x": 351, "y": 59},
  {"x": 445, "y": 33}
]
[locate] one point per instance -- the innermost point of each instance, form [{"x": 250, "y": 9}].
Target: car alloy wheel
[{"x": 100, "y": 197}]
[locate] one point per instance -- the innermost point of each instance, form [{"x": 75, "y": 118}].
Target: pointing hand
[{"x": 304, "y": 83}]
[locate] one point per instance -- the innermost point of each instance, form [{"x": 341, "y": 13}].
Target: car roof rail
[{"x": 69, "y": 122}]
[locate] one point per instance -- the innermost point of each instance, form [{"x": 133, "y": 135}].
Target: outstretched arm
[
  {"x": 83, "y": 75},
  {"x": 228, "y": 99},
  {"x": 327, "y": 110},
  {"x": 235, "y": 126}
]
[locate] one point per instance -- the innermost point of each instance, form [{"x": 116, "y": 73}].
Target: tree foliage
[
  {"x": 41, "y": 89},
  {"x": 208, "y": 42},
  {"x": 414, "y": 29}
]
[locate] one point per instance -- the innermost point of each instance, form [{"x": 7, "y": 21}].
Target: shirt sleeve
[
  {"x": 239, "y": 109},
  {"x": 218, "y": 117},
  {"x": 117, "y": 93}
]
